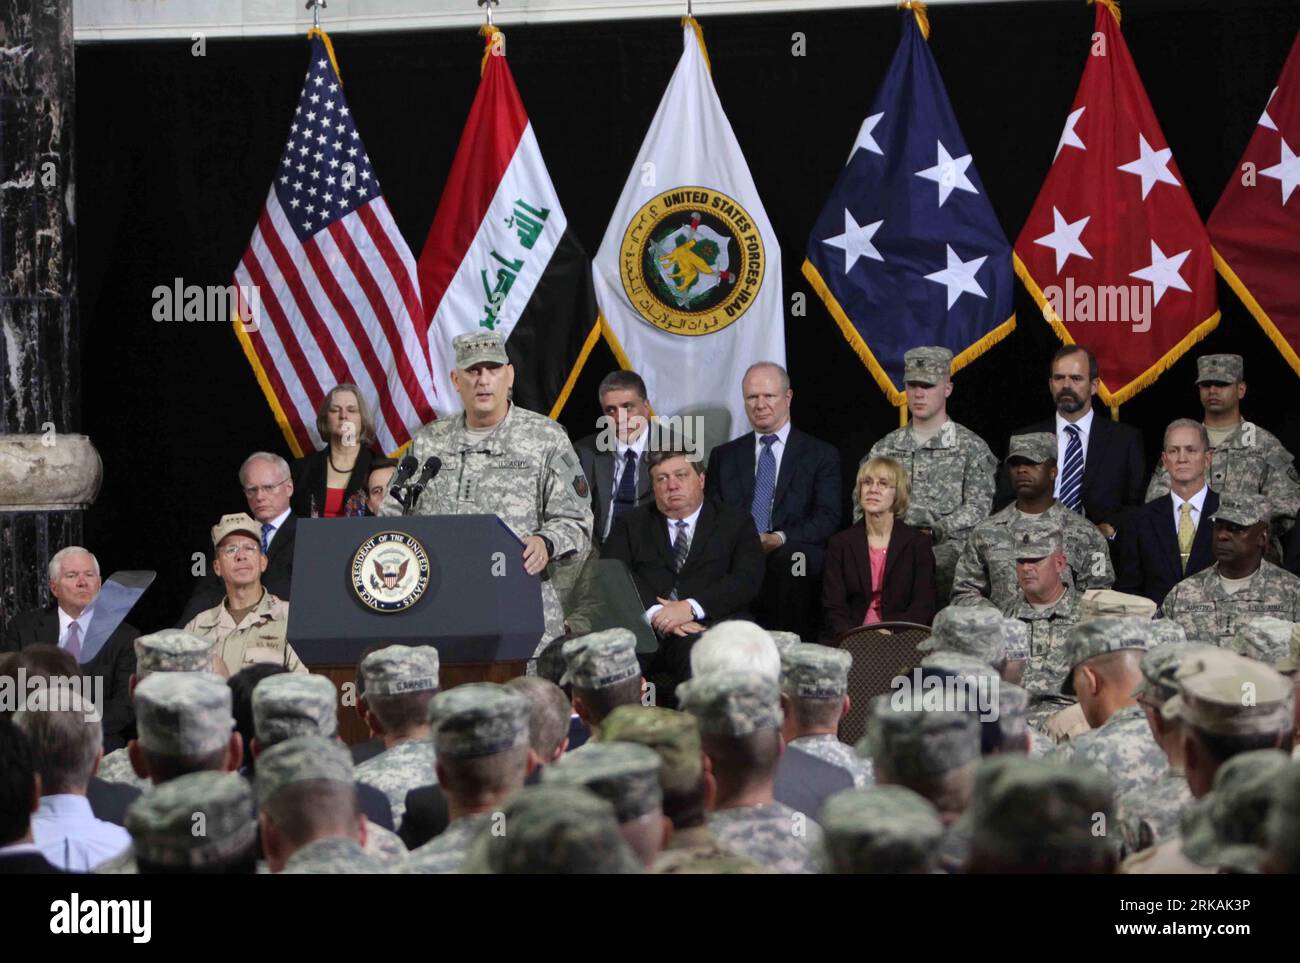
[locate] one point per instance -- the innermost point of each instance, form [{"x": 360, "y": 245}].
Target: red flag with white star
[
  {"x": 1255, "y": 226},
  {"x": 1114, "y": 251}
]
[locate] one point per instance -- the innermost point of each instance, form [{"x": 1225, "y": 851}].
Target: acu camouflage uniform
[
  {"x": 696, "y": 850},
  {"x": 332, "y": 855},
  {"x": 1205, "y": 610},
  {"x": 1123, "y": 747},
  {"x": 986, "y": 568},
  {"x": 445, "y": 853},
  {"x": 526, "y": 473},
  {"x": 1047, "y": 652},
  {"x": 1149, "y": 815},
  {"x": 829, "y": 748},
  {"x": 822, "y": 673}
]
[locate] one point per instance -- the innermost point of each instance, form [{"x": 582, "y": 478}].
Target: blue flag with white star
[{"x": 907, "y": 250}]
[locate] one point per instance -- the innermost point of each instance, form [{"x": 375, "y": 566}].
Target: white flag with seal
[{"x": 688, "y": 276}]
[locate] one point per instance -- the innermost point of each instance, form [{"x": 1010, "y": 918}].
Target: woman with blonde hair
[
  {"x": 324, "y": 480},
  {"x": 880, "y": 569}
]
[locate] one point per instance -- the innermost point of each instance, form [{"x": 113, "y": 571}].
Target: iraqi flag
[
  {"x": 688, "y": 276},
  {"x": 500, "y": 255},
  {"x": 1255, "y": 227},
  {"x": 1113, "y": 251}
]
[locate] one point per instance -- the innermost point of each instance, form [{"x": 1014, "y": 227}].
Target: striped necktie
[
  {"x": 1072, "y": 472},
  {"x": 681, "y": 548},
  {"x": 267, "y": 530}
]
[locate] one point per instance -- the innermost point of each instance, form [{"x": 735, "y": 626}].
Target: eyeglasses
[
  {"x": 234, "y": 551},
  {"x": 880, "y": 483},
  {"x": 252, "y": 491}
]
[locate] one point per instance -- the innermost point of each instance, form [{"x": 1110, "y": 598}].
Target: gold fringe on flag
[
  {"x": 1111, "y": 5},
  {"x": 329, "y": 46},
  {"x": 1257, "y": 311},
  {"x": 694, "y": 24},
  {"x": 496, "y": 40},
  {"x": 922, "y": 17}
]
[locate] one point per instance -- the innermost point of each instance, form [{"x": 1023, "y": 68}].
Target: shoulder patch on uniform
[{"x": 580, "y": 484}]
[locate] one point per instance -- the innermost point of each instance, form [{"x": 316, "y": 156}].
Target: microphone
[
  {"x": 432, "y": 465},
  {"x": 405, "y": 469}
]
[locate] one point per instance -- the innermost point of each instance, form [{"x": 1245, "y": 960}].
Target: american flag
[{"x": 336, "y": 293}]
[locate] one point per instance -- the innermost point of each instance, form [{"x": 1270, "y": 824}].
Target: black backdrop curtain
[{"x": 175, "y": 153}]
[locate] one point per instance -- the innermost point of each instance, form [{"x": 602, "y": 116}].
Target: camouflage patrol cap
[
  {"x": 241, "y": 522},
  {"x": 1282, "y": 830},
  {"x": 1223, "y": 368},
  {"x": 1035, "y": 538},
  {"x": 1039, "y": 813},
  {"x": 553, "y": 829},
  {"x": 1264, "y": 639},
  {"x": 675, "y": 736},
  {"x": 183, "y": 713},
  {"x": 1228, "y": 694},
  {"x": 399, "y": 669},
  {"x": 928, "y": 366},
  {"x": 1241, "y": 509},
  {"x": 1013, "y": 713},
  {"x": 1099, "y": 636},
  {"x": 172, "y": 650},
  {"x": 479, "y": 347},
  {"x": 1226, "y": 829},
  {"x": 1159, "y": 667},
  {"x": 478, "y": 719},
  {"x": 1095, "y": 602},
  {"x": 958, "y": 663},
  {"x": 732, "y": 703},
  {"x": 599, "y": 660},
  {"x": 815, "y": 672},
  {"x": 1036, "y": 447},
  {"x": 622, "y": 773},
  {"x": 1166, "y": 630},
  {"x": 907, "y": 743},
  {"x": 979, "y": 631},
  {"x": 162, "y": 822},
  {"x": 884, "y": 829},
  {"x": 784, "y": 640},
  {"x": 301, "y": 759},
  {"x": 294, "y": 704}
]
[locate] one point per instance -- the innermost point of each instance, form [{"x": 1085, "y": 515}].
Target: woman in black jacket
[{"x": 324, "y": 480}]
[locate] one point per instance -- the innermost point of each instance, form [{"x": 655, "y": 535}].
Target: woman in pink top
[{"x": 881, "y": 569}]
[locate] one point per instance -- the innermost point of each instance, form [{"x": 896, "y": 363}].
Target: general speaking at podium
[{"x": 498, "y": 458}]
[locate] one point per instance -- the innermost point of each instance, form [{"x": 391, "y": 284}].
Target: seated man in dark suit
[
  {"x": 789, "y": 482},
  {"x": 614, "y": 459},
  {"x": 74, "y": 583},
  {"x": 1101, "y": 466},
  {"x": 20, "y": 797},
  {"x": 264, "y": 478},
  {"x": 1169, "y": 538},
  {"x": 694, "y": 561}
]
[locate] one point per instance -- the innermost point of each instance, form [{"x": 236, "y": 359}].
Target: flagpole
[
  {"x": 315, "y": 7},
  {"x": 488, "y": 5}
]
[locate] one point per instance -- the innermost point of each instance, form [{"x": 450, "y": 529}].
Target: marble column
[{"x": 40, "y": 510}]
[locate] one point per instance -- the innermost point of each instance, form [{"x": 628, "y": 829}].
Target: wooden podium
[{"x": 455, "y": 582}]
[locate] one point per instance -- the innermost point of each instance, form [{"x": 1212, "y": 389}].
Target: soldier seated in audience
[
  {"x": 1040, "y": 816},
  {"x": 185, "y": 725},
  {"x": 887, "y": 829},
  {"x": 688, "y": 790},
  {"x": 627, "y": 776},
  {"x": 401, "y": 681},
  {"x": 603, "y": 669},
  {"x": 986, "y": 568},
  {"x": 548, "y": 718},
  {"x": 162, "y": 823},
  {"x": 981, "y": 633},
  {"x": 307, "y": 809},
  {"x": 1242, "y": 585},
  {"x": 480, "y": 739},
  {"x": 248, "y": 625},
  {"x": 1104, "y": 656},
  {"x": 814, "y": 697},
  {"x": 739, "y": 715}
]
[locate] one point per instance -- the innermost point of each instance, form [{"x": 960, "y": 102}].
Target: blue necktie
[
  {"x": 267, "y": 529},
  {"x": 1072, "y": 473},
  {"x": 625, "y": 497},
  {"x": 764, "y": 486}
]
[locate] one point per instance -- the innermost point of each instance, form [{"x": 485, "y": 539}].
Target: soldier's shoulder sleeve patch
[{"x": 566, "y": 463}]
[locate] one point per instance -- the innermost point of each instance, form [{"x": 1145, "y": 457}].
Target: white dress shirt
[
  {"x": 620, "y": 464},
  {"x": 690, "y": 521},
  {"x": 66, "y": 620},
  {"x": 1084, "y": 425},
  {"x": 278, "y": 521},
  {"x": 69, "y": 836},
  {"x": 1197, "y": 502}
]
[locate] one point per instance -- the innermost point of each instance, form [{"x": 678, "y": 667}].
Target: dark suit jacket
[
  {"x": 114, "y": 662},
  {"x": 310, "y": 475},
  {"x": 1149, "y": 563},
  {"x": 1115, "y": 470},
  {"x": 26, "y": 864},
  {"x": 427, "y": 812},
  {"x": 598, "y": 466},
  {"x": 109, "y": 800},
  {"x": 803, "y": 782},
  {"x": 806, "y": 506},
  {"x": 362, "y": 751},
  {"x": 908, "y": 593},
  {"x": 277, "y": 578},
  {"x": 723, "y": 571}
]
